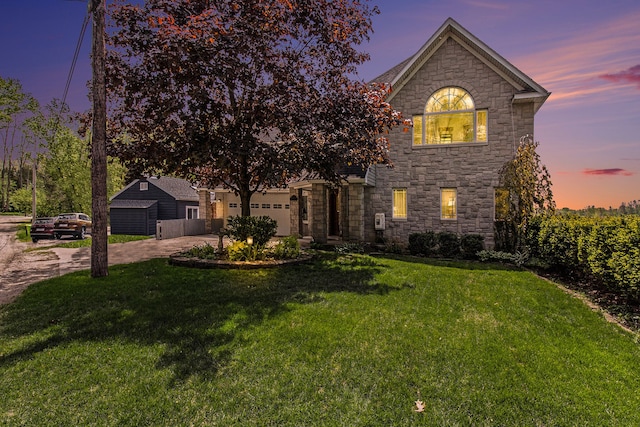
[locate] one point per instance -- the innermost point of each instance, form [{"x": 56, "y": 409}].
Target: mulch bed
[
  {"x": 181, "y": 260},
  {"x": 615, "y": 307}
]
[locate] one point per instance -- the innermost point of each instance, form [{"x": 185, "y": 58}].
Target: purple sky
[{"x": 587, "y": 53}]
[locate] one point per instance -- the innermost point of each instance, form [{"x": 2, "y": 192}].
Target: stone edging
[{"x": 180, "y": 260}]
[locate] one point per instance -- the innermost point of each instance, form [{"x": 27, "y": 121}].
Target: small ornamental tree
[
  {"x": 526, "y": 192},
  {"x": 244, "y": 94}
]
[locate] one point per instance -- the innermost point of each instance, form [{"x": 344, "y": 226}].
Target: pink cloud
[
  {"x": 632, "y": 75},
  {"x": 607, "y": 172},
  {"x": 488, "y": 4},
  {"x": 572, "y": 67}
]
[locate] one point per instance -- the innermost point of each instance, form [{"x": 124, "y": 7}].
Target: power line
[{"x": 75, "y": 57}]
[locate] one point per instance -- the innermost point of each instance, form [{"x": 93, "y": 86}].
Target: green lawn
[{"x": 343, "y": 341}]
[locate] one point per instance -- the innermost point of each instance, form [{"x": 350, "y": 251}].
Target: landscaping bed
[{"x": 183, "y": 260}]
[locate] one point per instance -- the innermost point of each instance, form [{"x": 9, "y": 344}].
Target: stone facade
[
  {"x": 471, "y": 168},
  {"x": 451, "y": 58}
]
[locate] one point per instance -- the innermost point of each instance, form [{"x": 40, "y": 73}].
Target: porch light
[{"x": 250, "y": 240}]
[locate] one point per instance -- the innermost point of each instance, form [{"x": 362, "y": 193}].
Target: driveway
[{"x": 19, "y": 269}]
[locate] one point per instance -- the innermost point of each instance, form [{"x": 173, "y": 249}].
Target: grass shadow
[{"x": 196, "y": 315}]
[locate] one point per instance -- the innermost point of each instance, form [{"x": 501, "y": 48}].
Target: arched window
[{"x": 450, "y": 117}]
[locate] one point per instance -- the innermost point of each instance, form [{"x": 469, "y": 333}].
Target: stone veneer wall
[
  {"x": 204, "y": 206},
  {"x": 472, "y": 168},
  {"x": 355, "y": 208},
  {"x": 318, "y": 217}
]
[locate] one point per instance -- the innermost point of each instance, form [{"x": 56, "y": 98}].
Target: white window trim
[{"x": 192, "y": 208}]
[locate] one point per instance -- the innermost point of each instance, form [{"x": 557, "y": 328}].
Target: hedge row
[
  {"x": 446, "y": 244},
  {"x": 607, "y": 249}
]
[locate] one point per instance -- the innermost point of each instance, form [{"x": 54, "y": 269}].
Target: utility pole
[
  {"x": 33, "y": 186},
  {"x": 99, "y": 255}
]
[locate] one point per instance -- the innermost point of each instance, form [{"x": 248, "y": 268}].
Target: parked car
[
  {"x": 42, "y": 228},
  {"x": 72, "y": 224}
]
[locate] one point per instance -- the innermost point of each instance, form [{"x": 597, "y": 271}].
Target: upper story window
[
  {"x": 450, "y": 117},
  {"x": 144, "y": 185}
]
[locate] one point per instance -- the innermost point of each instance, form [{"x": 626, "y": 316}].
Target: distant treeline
[{"x": 632, "y": 208}]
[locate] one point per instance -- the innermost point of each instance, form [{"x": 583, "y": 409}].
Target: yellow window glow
[
  {"x": 448, "y": 203},
  {"x": 481, "y": 125},
  {"x": 399, "y": 202},
  {"x": 417, "y": 130}
]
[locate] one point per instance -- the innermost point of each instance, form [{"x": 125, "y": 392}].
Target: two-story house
[{"x": 469, "y": 108}]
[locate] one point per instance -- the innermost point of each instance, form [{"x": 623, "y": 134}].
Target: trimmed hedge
[
  {"x": 446, "y": 244},
  {"x": 607, "y": 248}
]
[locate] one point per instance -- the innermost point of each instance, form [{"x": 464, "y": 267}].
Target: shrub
[
  {"x": 448, "y": 244},
  {"x": 394, "y": 246},
  {"x": 350, "y": 248},
  {"x": 519, "y": 258},
  {"x": 496, "y": 256},
  {"x": 470, "y": 245},
  {"x": 261, "y": 228},
  {"x": 206, "y": 251},
  {"x": 242, "y": 251},
  {"x": 287, "y": 248},
  {"x": 606, "y": 249},
  {"x": 422, "y": 243}
]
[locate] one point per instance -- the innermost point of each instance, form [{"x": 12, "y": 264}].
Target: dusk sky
[{"x": 586, "y": 53}]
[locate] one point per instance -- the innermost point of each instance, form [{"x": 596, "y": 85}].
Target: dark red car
[{"x": 42, "y": 228}]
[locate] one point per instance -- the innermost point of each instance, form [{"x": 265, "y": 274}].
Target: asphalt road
[{"x": 20, "y": 268}]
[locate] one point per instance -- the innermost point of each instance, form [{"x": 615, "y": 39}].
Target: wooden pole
[{"x": 99, "y": 256}]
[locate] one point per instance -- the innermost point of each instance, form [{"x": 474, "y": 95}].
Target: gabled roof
[
  {"x": 177, "y": 188},
  {"x": 180, "y": 189},
  {"x": 528, "y": 90}
]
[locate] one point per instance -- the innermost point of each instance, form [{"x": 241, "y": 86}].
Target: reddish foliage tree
[{"x": 245, "y": 94}]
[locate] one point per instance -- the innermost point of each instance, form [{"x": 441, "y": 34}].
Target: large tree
[
  {"x": 64, "y": 161},
  {"x": 245, "y": 94},
  {"x": 15, "y": 106}
]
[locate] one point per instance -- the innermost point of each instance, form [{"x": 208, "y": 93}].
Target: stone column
[
  {"x": 205, "y": 209},
  {"x": 356, "y": 212},
  {"x": 319, "y": 215}
]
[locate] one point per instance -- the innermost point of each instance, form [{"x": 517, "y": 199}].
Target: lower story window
[
  {"x": 192, "y": 212},
  {"x": 448, "y": 203},
  {"x": 399, "y": 202}
]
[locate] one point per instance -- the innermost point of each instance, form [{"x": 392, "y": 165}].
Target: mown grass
[
  {"x": 111, "y": 238},
  {"x": 344, "y": 341}
]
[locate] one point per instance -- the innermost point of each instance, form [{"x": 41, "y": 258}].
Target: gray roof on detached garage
[
  {"x": 177, "y": 188},
  {"x": 180, "y": 189},
  {"x": 132, "y": 204}
]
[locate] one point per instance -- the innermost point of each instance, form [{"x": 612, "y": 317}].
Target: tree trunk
[
  {"x": 99, "y": 256},
  {"x": 245, "y": 201}
]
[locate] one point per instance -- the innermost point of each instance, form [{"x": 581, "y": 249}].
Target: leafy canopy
[{"x": 245, "y": 94}]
